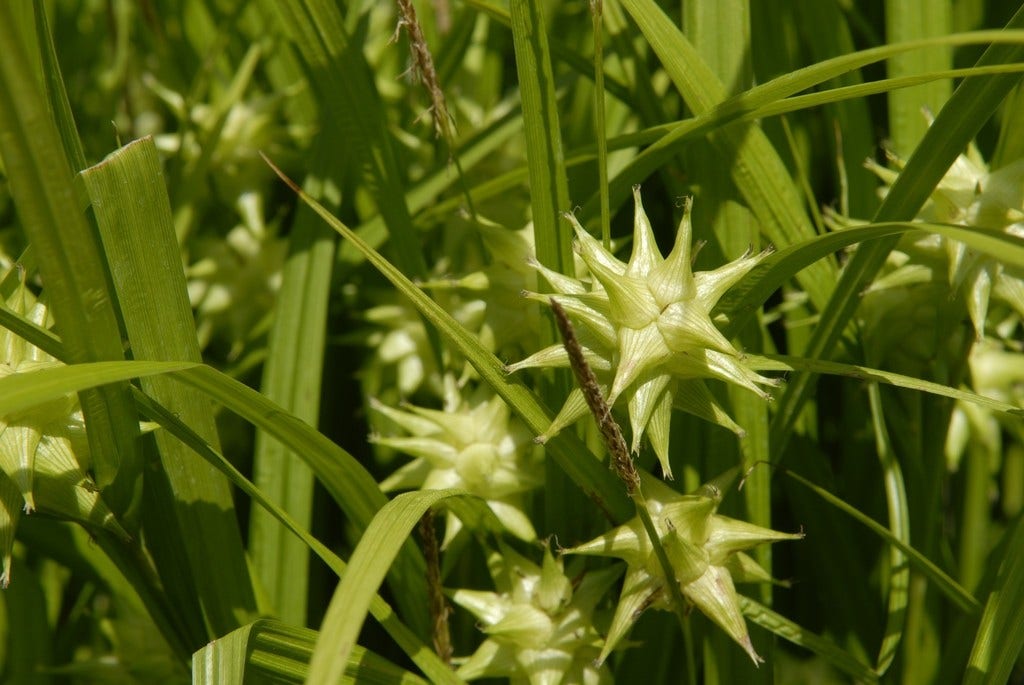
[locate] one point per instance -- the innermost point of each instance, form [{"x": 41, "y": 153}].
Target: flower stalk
[{"x": 622, "y": 462}]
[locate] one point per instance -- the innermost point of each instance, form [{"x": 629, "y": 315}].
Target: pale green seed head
[
  {"x": 538, "y": 624},
  {"x": 704, "y": 550},
  {"x": 647, "y": 330},
  {"x": 475, "y": 444}
]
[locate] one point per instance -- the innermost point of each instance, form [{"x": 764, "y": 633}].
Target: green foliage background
[{"x": 189, "y": 287}]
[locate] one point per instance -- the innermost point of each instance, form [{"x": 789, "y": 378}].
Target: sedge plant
[{"x": 602, "y": 298}]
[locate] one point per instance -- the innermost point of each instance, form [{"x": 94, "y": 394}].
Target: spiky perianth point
[
  {"x": 538, "y": 624},
  {"x": 475, "y": 445},
  {"x": 704, "y": 549},
  {"x": 647, "y": 331}
]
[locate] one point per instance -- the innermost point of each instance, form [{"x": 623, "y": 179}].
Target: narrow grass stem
[
  {"x": 438, "y": 606},
  {"x": 600, "y": 131},
  {"x": 622, "y": 463}
]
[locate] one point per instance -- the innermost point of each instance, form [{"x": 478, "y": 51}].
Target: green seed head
[
  {"x": 705, "y": 552},
  {"x": 647, "y": 328},
  {"x": 475, "y": 445},
  {"x": 538, "y": 623}
]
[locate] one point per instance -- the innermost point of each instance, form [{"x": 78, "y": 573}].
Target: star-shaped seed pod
[
  {"x": 538, "y": 624},
  {"x": 475, "y": 445},
  {"x": 704, "y": 549},
  {"x": 647, "y": 330}
]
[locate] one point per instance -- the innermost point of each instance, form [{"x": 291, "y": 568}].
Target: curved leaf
[
  {"x": 22, "y": 391},
  {"x": 586, "y": 470},
  {"x": 272, "y": 651},
  {"x": 798, "y": 635},
  {"x": 1000, "y": 637},
  {"x": 779, "y": 362},
  {"x": 418, "y": 652},
  {"x": 70, "y": 262},
  {"x": 369, "y": 563},
  {"x": 943, "y": 582},
  {"x": 344, "y": 477},
  {"x": 955, "y": 126},
  {"x": 753, "y": 291}
]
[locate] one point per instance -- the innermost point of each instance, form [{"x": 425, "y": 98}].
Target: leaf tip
[{"x": 280, "y": 174}]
